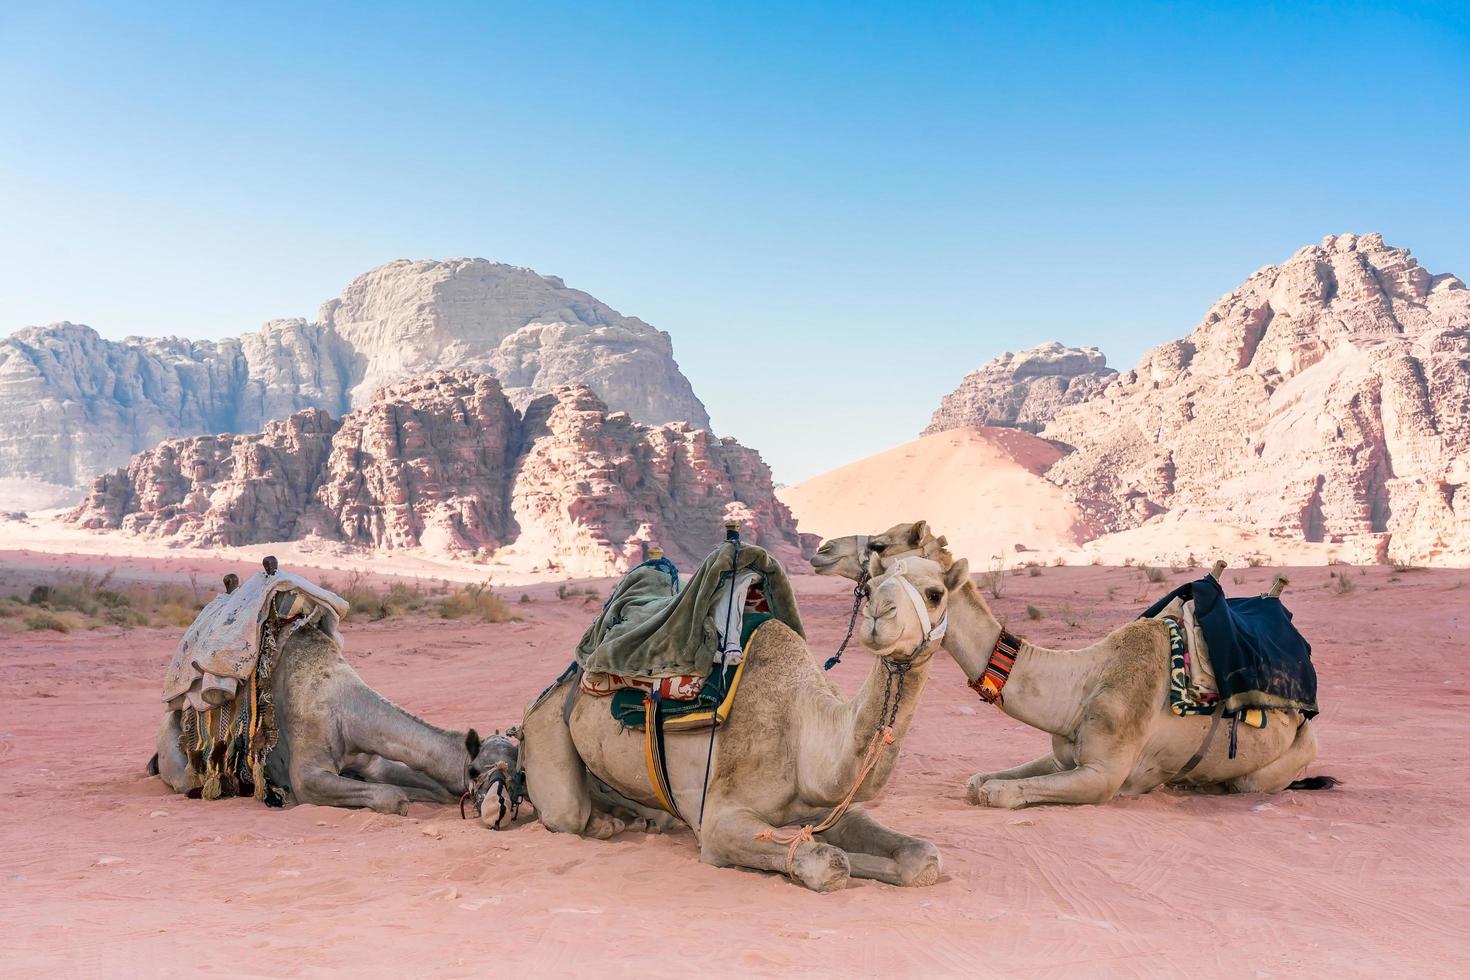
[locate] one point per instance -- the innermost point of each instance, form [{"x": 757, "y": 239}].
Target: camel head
[
  {"x": 846, "y": 556},
  {"x": 907, "y": 602},
  {"x": 492, "y": 777}
]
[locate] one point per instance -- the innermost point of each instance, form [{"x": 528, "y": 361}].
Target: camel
[
  {"x": 343, "y": 744},
  {"x": 791, "y": 752},
  {"x": 1105, "y": 705}
]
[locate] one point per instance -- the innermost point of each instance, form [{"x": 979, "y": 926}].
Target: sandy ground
[{"x": 105, "y": 873}]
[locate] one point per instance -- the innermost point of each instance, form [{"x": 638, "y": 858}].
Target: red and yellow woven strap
[{"x": 998, "y": 668}]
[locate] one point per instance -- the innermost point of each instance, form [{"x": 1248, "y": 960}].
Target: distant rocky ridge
[
  {"x": 73, "y": 404},
  {"x": 1327, "y": 399},
  {"x": 445, "y": 462},
  {"x": 1023, "y": 390}
]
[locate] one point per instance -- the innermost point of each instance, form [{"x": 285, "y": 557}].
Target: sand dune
[{"x": 983, "y": 488}]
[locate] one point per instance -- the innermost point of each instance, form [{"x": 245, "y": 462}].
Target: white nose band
[{"x": 935, "y": 632}]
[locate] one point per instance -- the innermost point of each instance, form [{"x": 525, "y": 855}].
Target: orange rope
[{"x": 795, "y": 838}]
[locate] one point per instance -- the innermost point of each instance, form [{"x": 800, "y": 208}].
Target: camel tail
[
  {"x": 1315, "y": 782},
  {"x": 153, "y": 765}
]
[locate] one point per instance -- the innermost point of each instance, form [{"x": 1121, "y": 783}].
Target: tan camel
[
  {"x": 1105, "y": 707},
  {"x": 343, "y": 744},
  {"x": 789, "y": 754}
]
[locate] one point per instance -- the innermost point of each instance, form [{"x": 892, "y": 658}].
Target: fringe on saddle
[{"x": 228, "y": 746}]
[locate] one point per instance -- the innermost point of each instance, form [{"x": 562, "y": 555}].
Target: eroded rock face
[
  {"x": 444, "y": 462},
  {"x": 1023, "y": 390},
  {"x": 1326, "y": 399},
  {"x": 73, "y": 405}
]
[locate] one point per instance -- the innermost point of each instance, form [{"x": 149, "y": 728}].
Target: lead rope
[
  {"x": 881, "y": 738},
  {"x": 732, "y": 534}
]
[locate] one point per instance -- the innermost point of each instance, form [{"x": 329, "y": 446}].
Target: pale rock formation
[
  {"x": 1327, "y": 400},
  {"x": 445, "y": 463},
  {"x": 73, "y": 405},
  {"x": 1023, "y": 390}
]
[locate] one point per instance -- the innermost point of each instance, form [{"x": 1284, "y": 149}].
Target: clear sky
[{"x": 836, "y": 210}]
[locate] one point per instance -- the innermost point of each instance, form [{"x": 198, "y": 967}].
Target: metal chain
[{"x": 859, "y": 593}]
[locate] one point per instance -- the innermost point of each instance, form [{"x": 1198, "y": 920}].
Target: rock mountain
[
  {"x": 1325, "y": 400},
  {"x": 446, "y": 462},
  {"x": 73, "y": 404}
]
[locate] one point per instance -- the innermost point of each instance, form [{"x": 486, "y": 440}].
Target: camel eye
[
  {"x": 878, "y": 548},
  {"x": 934, "y": 595}
]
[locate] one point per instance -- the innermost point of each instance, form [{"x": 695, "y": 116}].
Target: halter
[{"x": 935, "y": 632}]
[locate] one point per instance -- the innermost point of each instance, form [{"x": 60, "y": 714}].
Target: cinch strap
[{"x": 998, "y": 668}]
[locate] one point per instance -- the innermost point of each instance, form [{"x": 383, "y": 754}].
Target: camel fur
[
  {"x": 1105, "y": 706},
  {"x": 789, "y": 752},
  {"x": 343, "y": 744}
]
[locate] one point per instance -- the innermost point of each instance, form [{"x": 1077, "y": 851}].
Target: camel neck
[
  {"x": 870, "y": 710},
  {"x": 1045, "y": 688}
]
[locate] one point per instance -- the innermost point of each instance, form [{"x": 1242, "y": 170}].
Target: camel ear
[
  {"x": 918, "y": 531},
  {"x": 957, "y": 575},
  {"x": 472, "y": 742}
]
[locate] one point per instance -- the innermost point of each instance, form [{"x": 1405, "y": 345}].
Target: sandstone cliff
[
  {"x": 445, "y": 462},
  {"x": 1023, "y": 390},
  {"x": 73, "y": 404},
  {"x": 1327, "y": 399}
]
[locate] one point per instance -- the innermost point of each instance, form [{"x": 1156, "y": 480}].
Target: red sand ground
[{"x": 106, "y": 873}]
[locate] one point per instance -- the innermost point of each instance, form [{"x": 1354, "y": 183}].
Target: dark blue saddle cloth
[{"x": 1259, "y": 658}]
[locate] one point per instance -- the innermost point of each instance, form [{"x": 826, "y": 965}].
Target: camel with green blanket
[
  {"x": 779, "y": 786},
  {"x": 1106, "y": 706}
]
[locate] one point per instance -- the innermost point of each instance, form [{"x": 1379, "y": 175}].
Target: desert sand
[{"x": 107, "y": 873}]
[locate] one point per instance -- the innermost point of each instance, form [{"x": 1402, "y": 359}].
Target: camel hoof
[
  {"x": 1000, "y": 794},
  {"x": 601, "y": 826},
  {"x": 919, "y": 868},
  {"x": 822, "y": 868}
]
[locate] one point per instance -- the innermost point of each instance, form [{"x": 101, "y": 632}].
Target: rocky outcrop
[
  {"x": 1023, "y": 390},
  {"x": 73, "y": 405},
  {"x": 1327, "y": 399},
  {"x": 445, "y": 462}
]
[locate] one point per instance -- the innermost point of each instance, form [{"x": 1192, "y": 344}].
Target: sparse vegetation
[
  {"x": 87, "y": 600},
  {"x": 1033, "y": 613},
  {"x": 1341, "y": 583},
  {"x": 1256, "y": 561},
  {"x": 1070, "y": 616},
  {"x": 1153, "y": 574},
  {"x": 397, "y": 599},
  {"x": 1404, "y": 565},
  {"x": 565, "y": 591},
  {"x": 475, "y": 601},
  {"x": 993, "y": 579}
]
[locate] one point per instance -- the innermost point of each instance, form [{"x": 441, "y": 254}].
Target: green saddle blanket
[
  {"x": 650, "y": 627},
  {"x": 628, "y": 703}
]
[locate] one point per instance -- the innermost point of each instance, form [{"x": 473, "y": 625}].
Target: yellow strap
[{"x": 650, "y": 754}]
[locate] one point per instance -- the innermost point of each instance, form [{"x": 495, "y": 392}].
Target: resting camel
[
  {"x": 343, "y": 744},
  {"x": 1105, "y": 705},
  {"x": 790, "y": 753}
]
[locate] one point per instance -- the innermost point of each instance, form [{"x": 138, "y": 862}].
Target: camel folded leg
[
  {"x": 417, "y": 786},
  {"x": 173, "y": 762},
  {"x": 324, "y": 787},
  {"x": 730, "y": 837},
  {"x": 1043, "y": 766},
  {"x": 1274, "y": 776},
  {"x": 876, "y": 851},
  {"x": 557, "y": 780},
  {"x": 1096, "y": 781}
]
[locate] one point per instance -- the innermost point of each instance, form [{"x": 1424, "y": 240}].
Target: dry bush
[
  {"x": 565, "y": 591},
  {"x": 86, "y": 600},
  {"x": 1033, "y": 569},
  {"x": 1256, "y": 561},
  {"x": 477, "y": 602},
  {"x": 48, "y": 621},
  {"x": 1404, "y": 565},
  {"x": 1033, "y": 613},
  {"x": 1341, "y": 583},
  {"x": 993, "y": 578},
  {"x": 1127, "y": 562},
  {"x": 1070, "y": 616},
  {"x": 1152, "y": 574}
]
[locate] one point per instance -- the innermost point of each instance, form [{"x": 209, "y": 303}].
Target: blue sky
[{"x": 834, "y": 197}]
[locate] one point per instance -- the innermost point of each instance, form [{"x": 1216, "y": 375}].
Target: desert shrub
[
  {"x": 1256, "y": 561},
  {"x": 1152, "y": 574},
  {"x": 1033, "y": 569},
  {"x": 43, "y": 620},
  {"x": 565, "y": 591},
  {"x": 478, "y": 602},
  {"x": 1096, "y": 561},
  {"x": 1071, "y": 616},
  {"x": 525, "y": 597},
  {"x": 1404, "y": 565},
  {"x": 1341, "y": 583},
  {"x": 1127, "y": 562},
  {"x": 993, "y": 578},
  {"x": 1059, "y": 562},
  {"x": 1033, "y": 613},
  {"x": 88, "y": 600}
]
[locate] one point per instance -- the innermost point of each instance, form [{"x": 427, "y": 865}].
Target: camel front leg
[
  {"x": 732, "y": 837},
  {"x": 876, "y": 851},
  {"x": 323, "y": 787},
  {"x": 1043, "y": 766},
  {"x": 173, "y": 762},
  {"x": 418, "y": 786},
  {"x": 1108, "y": 745},
  {"x": 557, "y": 781}
]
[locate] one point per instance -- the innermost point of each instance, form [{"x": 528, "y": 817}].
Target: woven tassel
[{"x": 257, "y": 772}]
